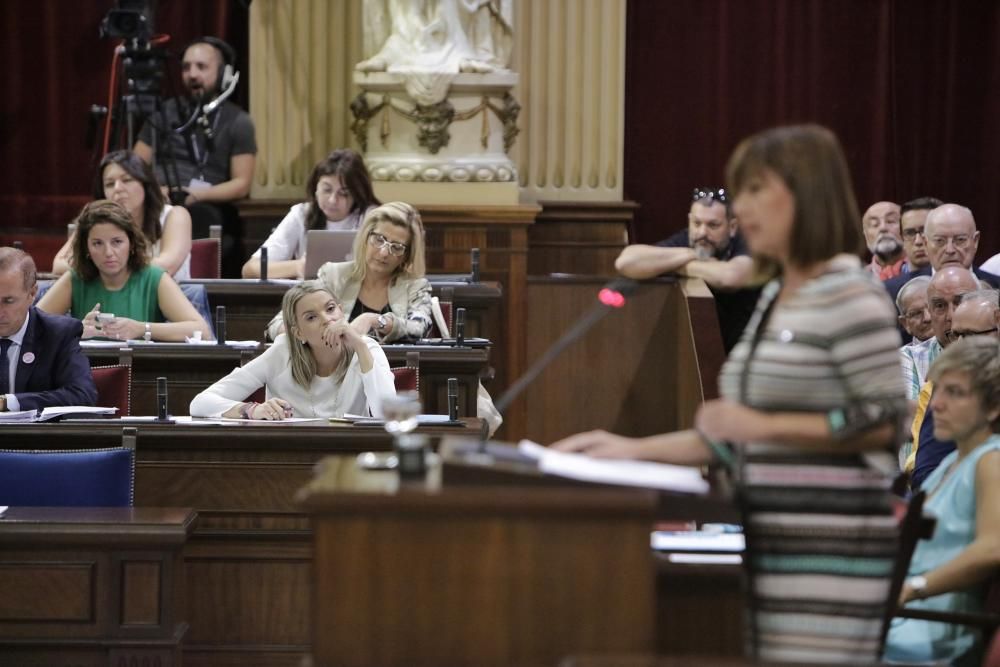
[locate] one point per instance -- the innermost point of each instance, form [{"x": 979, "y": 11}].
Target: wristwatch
[
  {"x": 917, "y": 584},
  {"x": 382, "y": 322}
]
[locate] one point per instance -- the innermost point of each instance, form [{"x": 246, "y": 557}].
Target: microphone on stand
[
  {"x": 612, "y": 296},
  {"x": 452, "y": 399},
  {"x": 162, "y": 414},
  {"x": 220, "y": 325},
  {"x": 459, "y": 327}
]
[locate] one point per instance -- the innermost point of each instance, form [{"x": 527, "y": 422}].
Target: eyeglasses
[
  {"x": 712, "y": 194},
  {"x": 379, "y": 241},
  {"x": 915, "y": 314},
  {"x": 959, "y": 242},
  {"x": 963, "y": 334},
  {"x": 912, "y": 233}
]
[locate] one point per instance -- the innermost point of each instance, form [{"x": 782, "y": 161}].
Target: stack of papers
[
  {"x": 48, "y": 414},
  {"x": 663, "y": 476}
]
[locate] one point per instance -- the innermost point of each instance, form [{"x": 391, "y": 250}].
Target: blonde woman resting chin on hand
[{"x": 322, "y": 367}]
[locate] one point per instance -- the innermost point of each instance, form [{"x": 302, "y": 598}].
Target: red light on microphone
[{"x": 611, "y": 298}]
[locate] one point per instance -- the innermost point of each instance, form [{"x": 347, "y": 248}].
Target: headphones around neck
[{"x": 227, "y": 71}]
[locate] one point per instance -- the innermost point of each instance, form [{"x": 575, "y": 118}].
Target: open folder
[{"x": 663, "y": 476}]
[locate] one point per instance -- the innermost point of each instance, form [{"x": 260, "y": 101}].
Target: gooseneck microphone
[
  {"x": 263, "y": 264},
  {"x": 612, "y": 296},
  {"x": 220, "y": 325},
  {"x": 452, "y": 399}
]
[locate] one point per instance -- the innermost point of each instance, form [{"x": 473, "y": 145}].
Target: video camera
[{"x": 142, "y": 64}]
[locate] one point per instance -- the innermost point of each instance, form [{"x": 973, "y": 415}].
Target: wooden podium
[{"x": 478, "y": 575}]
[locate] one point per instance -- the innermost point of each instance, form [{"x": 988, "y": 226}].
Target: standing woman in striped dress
[{"x": 813, "y": 400}]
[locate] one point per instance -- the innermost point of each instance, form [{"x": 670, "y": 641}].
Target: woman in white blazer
[{"x": 322, "y": 367}]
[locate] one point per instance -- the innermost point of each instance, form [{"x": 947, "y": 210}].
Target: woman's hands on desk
[
  {"x": 600, "y": 444},
  {"x": 119, "y": 328},
  {"x": 123, "y": 328},
  {"x": 273, "y": 409}
]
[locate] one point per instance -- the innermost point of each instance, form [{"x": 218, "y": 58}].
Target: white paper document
[
  {"x": 663, "y": 476},
  {"x": 54, "y": 413},
  {"x": 696, "y": 540}
]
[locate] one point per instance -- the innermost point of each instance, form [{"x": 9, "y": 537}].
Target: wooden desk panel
[
  {"x": 248, "y": 563},
  {"x": 190, "y": 369},
  {"x": 92, "y": 586},
  {"x": 480, "y": 576}
]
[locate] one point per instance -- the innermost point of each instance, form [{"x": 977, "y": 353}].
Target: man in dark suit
[{"x": 41, "y": 364}]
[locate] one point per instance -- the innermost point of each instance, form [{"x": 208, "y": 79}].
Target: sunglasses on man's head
[{"x": 713, "y": 194}]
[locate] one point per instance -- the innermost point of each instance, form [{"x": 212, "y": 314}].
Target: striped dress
[{"x": 821, "y": 537}]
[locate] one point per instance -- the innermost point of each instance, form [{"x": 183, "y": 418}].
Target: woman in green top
[{"x": 111, "y": 273}]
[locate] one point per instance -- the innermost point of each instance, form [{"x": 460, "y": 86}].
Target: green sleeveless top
[{"x": 137, "y": 300}]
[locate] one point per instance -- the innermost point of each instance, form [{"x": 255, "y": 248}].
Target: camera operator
[{"x": 209, "y": 163}]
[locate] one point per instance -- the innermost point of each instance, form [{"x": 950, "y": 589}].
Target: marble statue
[{"x": 429, "y": 42}]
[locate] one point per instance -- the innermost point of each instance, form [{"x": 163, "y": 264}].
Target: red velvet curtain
[
  {"x": 55, "y": 66},
  {"x": 910, "y": 87}
]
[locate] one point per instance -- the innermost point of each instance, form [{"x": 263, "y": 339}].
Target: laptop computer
[{"x": 327, "y": 245}]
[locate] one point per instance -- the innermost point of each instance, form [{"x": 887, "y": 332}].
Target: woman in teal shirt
[
  {"x": 111, "y": 274},
  {"x": 949, "y": 571}
]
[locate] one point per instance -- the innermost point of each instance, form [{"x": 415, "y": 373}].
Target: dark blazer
[{"x": 53, "y": 370}]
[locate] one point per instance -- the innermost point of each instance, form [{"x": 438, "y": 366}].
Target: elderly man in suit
[{"x": 41, "y": 364}]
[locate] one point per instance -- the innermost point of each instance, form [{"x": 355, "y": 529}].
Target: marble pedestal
[{"x": 452, "y": 152}]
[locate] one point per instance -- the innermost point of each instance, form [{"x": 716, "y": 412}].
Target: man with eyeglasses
[
  {"x": 978, "y": 314},
  {"x": 880, "y": 224},
  {"x": 913, "y": 217},
  {"x": 944, "y": 293},
  {"x": 710, "y": 248},
  {"x": 951, "y": 240},
  {"x": 914, "y": 317}
]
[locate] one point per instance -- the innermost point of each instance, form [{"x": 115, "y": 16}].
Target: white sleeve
[
  {"x": 285, "y": 242},
  {"x": 238, "y": 385},
  {"x": 379, "y": 381}
]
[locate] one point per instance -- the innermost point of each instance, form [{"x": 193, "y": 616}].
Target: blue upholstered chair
[{"x": 67, "y": 478}]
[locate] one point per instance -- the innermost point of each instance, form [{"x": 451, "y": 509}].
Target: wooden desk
[
  {"x": 251, "y": 304},
  {"x": 248, "y": 564},
  {"x": 190, "y": 369},
  {"x": 482, "y": 576},
  {"x": 89, "y": 587}
]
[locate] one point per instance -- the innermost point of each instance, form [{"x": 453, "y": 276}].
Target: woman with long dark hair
[
  {"x": 339, "y": 194},
  {"x": 126, "y": 179}
]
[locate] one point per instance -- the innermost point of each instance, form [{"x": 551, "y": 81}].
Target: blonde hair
[
  {"x": 300, "y": 357},
  {"x": 401, "y": 214},
  {"x": 979, "y": 357}
]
